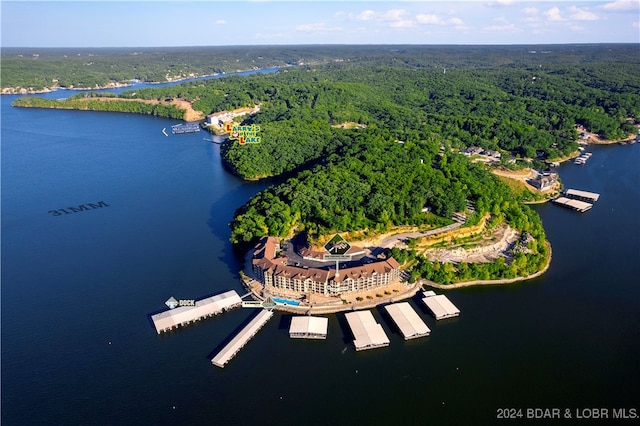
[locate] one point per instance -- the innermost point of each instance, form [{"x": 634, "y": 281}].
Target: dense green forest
[
  {"x": 524, "y": 104},
  {"x": 415, "y": 108},
  {"x": 85, "y": 102},
  {"x": 374, "y": 183}
]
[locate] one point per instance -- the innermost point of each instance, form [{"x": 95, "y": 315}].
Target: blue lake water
[{"x": 77, "y": 289}]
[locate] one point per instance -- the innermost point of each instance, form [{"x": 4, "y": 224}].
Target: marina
[
  {"x": 439, "y": 305},
  {"x": 405, "y": 317},
  {"x": 242, "y": 338},
  {"x": 101, "y": 359},
  {"x": 367, "y": 333},
  {"x": 204, "y": 308},
  {"x": 308, "y": 327},
  {"x": 582, "y": 159},
  {"x": 577, "y": 200}
]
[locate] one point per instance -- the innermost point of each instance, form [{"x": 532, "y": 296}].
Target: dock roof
[
  {"x": 367, "y": 332},
  {"x": 241, "y": 339},
  {"x": 441, "y": 306},
  {"x": 302, "y": 326},
  {"x": 407, "y": 320},
  {"x": 202, "y": 308},
  {"x": 582, "y": 194},
  {"x": 578, "y": 205}
]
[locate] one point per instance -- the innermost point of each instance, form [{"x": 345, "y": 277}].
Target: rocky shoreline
[{"x": 31, "y": 91}]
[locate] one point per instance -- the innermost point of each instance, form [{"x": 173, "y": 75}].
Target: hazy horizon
[{"x": 154, "y": 24}]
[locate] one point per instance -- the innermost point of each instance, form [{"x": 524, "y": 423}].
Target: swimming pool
[{"x": 285, "y": 301}]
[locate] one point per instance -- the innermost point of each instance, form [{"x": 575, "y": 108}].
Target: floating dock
[
  {"x": 439, "y": 305},
  {"x": 367, "y": 332},
  {"x": 308, "y": 327},
  {"x": 410, "y": 324},
  {"x": 241, "y": 339},
  {"x": 576, "y": 205},
  {"x": 589, "y": 197},
  {"x": 185, "y": 128},
  {"x": 582, "y": 159},
  {"x": 183, "y": 315}
]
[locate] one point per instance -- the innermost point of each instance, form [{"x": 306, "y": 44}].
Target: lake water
[{"x": 77, "y": 289}]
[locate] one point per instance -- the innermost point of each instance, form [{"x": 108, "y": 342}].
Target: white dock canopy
[
  {"x": 367, "y": 332},
  {"x": 410, "y": 324},
  {"x": 202, "y": 308},
  {"x": 578, "y": 205},
  {"x": 582, "y": 195},
  {"x": 441, "y": 306},
  {"x": 307, "y": 327},
  {"x": 241, "y": 339}
]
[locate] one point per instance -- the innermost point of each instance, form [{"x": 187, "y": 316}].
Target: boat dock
[
  {"x": 241, "y": 339},
  {"x": 204, "y": 308},
  {"x": 367, "y": 332},
  {"x": 439, "y": 305},
  {"x": 308, "y": 327},
  {"x": 577, "y": 205},
  {"x": 185, "y": 128},
  {"x": 582, "y": 159},
  {"x": 589, "y": 197},
  {"x": 577, "y": 200},
  {"x": 410, "y": 324}
]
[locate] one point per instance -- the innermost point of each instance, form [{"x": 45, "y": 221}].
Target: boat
[{"x": 185, "y": 128}]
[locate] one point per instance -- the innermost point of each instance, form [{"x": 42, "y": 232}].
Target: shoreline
[
  {"x": 412, "y": 289},
  {"x": 493, "y": 282},
  {"x": 118, "y": 85}
]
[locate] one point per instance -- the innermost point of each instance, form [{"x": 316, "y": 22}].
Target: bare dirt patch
[
  {"x": 593, "y": 138},
  {"x": 492, "y": 246},
  {"x": 349, "y": 125}
]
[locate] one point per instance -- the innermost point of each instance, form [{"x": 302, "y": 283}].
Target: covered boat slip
[
  {"x": 410, "y": 324},
  {"x": 440, "y": 305},
  {"x": 576, "y": 194},
  {"x": 577, "y": 205},
  {"x": 307, "y": 327},
  {"x": 367, "y": 332},
  {"x": 241, "y": 339},
  {"x": 203, "y": 308}
]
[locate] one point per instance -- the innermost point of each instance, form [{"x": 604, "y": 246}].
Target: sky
[{"x": 263, "y": 22}]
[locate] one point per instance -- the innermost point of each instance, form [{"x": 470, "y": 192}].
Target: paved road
[{"x": 392, "y": 241}]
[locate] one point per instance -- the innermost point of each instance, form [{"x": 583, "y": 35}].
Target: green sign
[{"x": 337, "y": 245}]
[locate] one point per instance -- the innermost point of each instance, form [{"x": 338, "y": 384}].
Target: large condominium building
[{"x": 273, "y": 271}]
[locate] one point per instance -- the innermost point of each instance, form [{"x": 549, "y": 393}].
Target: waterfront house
[{"x": 545, "y": 181}]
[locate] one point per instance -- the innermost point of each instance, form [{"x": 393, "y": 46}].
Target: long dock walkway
[{"x": 241, "y": 339}]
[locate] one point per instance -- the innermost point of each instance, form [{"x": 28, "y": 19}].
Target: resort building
[{"x": 273, "y": 271}]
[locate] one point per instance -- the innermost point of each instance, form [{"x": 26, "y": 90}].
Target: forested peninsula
[{"x": 369, "y": 140}]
